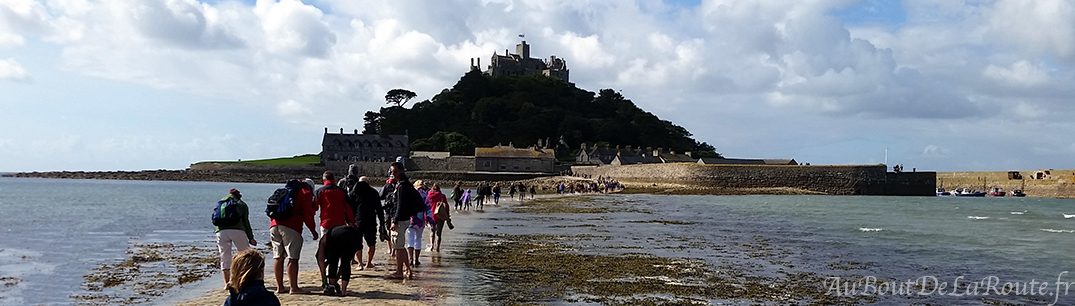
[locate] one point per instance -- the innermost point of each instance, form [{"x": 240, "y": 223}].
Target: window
[
  {"x": 486, "y": 165},
  {"x": 503, "y": 167}
]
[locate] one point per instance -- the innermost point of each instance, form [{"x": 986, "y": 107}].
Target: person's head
[
  {"x": 436, "y": 187},
  {"x": 247, "y": 265},
  {"x": 309, "y": 183},
  {"x": 397, "y": 170},
  {"x": 328, "y": 176},
  {"x": 235, "y": 192},
  {"x": 363, "y": 179},
  {"x": 418, "y": 184},
  {"x": 352, "y": 170}
]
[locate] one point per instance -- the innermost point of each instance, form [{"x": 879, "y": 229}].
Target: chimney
[
  {"x": 672, "y": 152},
  {"x": 326, "y": 130},
  {"x": 583, "y": 147},
  {"x": 479, "y": 64},
  {"x": 688, "y": 154},
  {"x": 356, "y": 131},
  {"x": 341, "y": 131},
  {"x": 471, "y": 63}
]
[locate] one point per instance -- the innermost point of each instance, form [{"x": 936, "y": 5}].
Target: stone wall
[
  {"x": 454, "y": 163},
  {"x": 839, "y": 180}
]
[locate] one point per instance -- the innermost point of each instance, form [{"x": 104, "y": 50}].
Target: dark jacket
[
  {"x": 253, "y": 294},
  {"x": 369, "y": 208},
  {"x": 408, "y": 202}
]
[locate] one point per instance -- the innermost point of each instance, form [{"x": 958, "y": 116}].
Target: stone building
[
  {"x": 356, "y": 147},
  {"x": 629, "y": 156},
  {"x": 511, "y": 159},
  {"x": 520, "y": 63}
]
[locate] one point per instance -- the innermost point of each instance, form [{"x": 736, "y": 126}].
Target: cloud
[
  {"x": 1040, "y": 26},
  {"x": 183, "y": 23},
  {"x": 12, "y": 71},
  {"x": 934, "y": 151},
  {"x": 293, "y": 27},
  {"x": 1021, "y": 74}
]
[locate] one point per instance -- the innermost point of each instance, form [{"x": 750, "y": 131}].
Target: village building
[
  {"x": 744, "y": 161},
  {"x": 511, "y": 159},
  {"x": 520, "y": 63},
  {"x": 355, "y": 147},
  {"x": 602, "y": 155}
]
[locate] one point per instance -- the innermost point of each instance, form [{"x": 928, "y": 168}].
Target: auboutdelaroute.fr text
[{"x": 960, "y": 286}]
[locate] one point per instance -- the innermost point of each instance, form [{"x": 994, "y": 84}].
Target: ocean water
[{"x": 52, "y": 232}]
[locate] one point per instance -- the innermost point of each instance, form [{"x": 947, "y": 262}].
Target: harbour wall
[{"x": 838, "y": 180}]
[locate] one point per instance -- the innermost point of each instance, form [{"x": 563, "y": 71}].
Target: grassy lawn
[{"x": 305, "y": 159}]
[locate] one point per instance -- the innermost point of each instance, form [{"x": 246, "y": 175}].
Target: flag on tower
[{"x": 522, "y": 36}]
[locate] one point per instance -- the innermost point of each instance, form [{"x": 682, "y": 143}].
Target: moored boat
[
  {"x": 1017, "y": 193},
  {"x": 967, "y": 192},
  {"x": 942, "y": 192},
  {"x": 996, "y": 192}
]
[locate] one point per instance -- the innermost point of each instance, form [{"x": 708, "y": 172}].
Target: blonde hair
[
  {"x": 245, "y": 266},
  {"x": 418, "y": 184}
]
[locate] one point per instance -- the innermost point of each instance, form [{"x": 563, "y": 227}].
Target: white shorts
[
  {"x": 225, "y": 238},
  {"x": 414, "y": 238},
  {"x": 286, "y": 242}
]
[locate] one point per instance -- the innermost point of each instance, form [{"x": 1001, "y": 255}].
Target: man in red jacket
[
  {"x": 286, "y": 237},
  {"x": 335, "y": 211}
]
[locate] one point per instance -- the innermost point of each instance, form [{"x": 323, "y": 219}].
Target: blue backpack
[
  {"x": 226, "y": 212},
  {"x": 282, "y": 202}
]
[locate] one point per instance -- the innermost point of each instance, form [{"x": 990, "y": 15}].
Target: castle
[{"x": 521, "y": 63}]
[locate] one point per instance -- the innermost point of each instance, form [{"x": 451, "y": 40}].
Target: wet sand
[{"x": 366, "y": 288}]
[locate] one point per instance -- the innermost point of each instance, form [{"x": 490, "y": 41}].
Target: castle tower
[{"x": 523, "y": 50}]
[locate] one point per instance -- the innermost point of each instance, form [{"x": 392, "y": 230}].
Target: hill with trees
[{"x": 481, "y": 110}]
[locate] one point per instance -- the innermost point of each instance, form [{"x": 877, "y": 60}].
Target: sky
[{"x": 944, "y": 85}]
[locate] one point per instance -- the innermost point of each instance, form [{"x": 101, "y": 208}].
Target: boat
[
  {"x": 996, "y": 192},
  {"x": 966, "y": 192},
  {"x": 942, "y": 192},
  {"x": 1017, "y": 193}
]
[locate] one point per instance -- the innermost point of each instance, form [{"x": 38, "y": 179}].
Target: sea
[{"x": 53, "y": 232}]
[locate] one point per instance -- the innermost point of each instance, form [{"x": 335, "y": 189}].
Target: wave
[
  {"x": 1018, "y": 212},
  {"x": 1067, "y": 216},
  {"x": 867, "y": 229},
  {"x": 977, "y": 217},
  {"x": 1057, "y": 231}
]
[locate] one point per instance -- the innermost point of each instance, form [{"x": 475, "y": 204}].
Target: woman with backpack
[
  {"x": 441, "y": 215},
  {"x": 231, "y": 220}
]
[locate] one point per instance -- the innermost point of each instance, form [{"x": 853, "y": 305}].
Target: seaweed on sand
[
  {"x": 147, "y": 272},
  {"x": 534, "y": 269}
]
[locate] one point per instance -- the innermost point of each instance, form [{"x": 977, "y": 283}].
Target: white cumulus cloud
[{"x": 12, "y": 71}]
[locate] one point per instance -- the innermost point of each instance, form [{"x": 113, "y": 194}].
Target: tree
[
  {"x": 399, "y": 97},
  {"x": 373, "y": 123}
]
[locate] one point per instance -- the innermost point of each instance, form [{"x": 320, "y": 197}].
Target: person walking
[
  {"x": 341, "y": 244},
  {"x": 331, "y": 200},
  {"x": 418, "y": 224},
  {"x": 511, "y": 191},
  {"x": 247, "y": 288},
  {"x": 407, "y": 203},
  {"x": 480, "y": 190},
  {"x": 457, "y": 195},
  {"x": 496, "y": 194},
  {"x": 286, "y": 237},
  {"x": 441, "y": 215},
  {"x": 533, "y": 191},
  {"x": 369, "y": 215},
  {"x": 238, "y": 234}
]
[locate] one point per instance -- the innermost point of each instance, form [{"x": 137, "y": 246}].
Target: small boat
[
  {"x": 996, "y": 192},
  {"x": 942, "y": 192},
  {"x": 1017, "y": 193},
  {"x": 966, "y": 192}
]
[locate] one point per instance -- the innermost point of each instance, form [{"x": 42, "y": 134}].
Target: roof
[
  {"x": 403, "y": 139},
  {"x": 514, "y": 153}
]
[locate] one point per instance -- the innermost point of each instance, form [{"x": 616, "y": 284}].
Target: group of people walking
[{"x": 351, "y": 212}]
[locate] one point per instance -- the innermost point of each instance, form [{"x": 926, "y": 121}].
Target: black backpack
[
  {"x": 226, "y": 212},
  {"x": 281, "y": 204},
  {"x": 351, "y": 189}
]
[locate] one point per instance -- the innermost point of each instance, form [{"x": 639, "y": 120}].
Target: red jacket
[
  {"x": 434, "y": 198},
  {"x": 304, "y": 213},
  {"x": 332, "y": 201}
]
